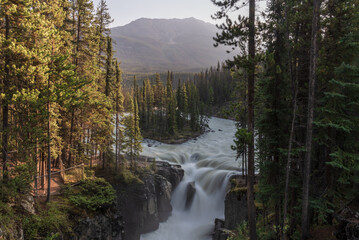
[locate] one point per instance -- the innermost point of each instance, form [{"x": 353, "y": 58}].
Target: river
[{"x": 207, "y": 161}]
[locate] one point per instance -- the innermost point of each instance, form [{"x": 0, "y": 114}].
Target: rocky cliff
[
  {"x": 106, "y": 226},
  {"x": 144, "y": 206},
  {"x": 235, "y": 211}
]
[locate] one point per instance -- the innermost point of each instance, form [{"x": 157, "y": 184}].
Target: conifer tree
[
  {"x": 171, "y": 106},
  {"x": 102, "y": 22},
  {"x": 108, "y": 67},
  {"x": 133, "y": 133},
  {"x": 119, "y": 116}
]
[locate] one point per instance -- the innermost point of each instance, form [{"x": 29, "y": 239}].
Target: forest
[{"x": 292, "y": 90}]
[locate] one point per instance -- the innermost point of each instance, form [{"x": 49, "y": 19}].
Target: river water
[{"x": 208, "y": 162}]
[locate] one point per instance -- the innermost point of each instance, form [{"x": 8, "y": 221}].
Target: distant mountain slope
[{"x": 156, "y": 45}]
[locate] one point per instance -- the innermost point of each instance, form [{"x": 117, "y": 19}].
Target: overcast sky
[{"x": 126, "y": 11}]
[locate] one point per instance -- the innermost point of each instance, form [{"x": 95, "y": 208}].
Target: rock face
[
  {"x": 107, "y": 226},
  {"x": 144, "y": 206},
  {"x": 173, "y": 173},
  {"x": 235, "y": 212},
  {"x": 235, "y": 208}
]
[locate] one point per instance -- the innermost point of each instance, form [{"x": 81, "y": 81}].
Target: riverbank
[
  {"x": 175, "y": 139},
  {"x": 178, "y": 138}
]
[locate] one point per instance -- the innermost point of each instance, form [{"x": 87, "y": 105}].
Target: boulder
[
  {"x": 220, "y": 233},
  {"x": 28, "y": 204},
  {"x": 190, "y": 192}
]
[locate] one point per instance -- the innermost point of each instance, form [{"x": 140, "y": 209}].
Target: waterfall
[{"x": 208, "y": 163}]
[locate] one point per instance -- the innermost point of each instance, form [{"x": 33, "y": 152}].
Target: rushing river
[{"x": 208, "y": 162}]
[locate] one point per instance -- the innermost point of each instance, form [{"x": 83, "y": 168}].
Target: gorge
[{"x": 208, "y": 163}]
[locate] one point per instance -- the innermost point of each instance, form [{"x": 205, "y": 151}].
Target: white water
[{"x": 209, "y": 161}]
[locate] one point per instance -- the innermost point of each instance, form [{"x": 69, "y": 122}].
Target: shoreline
[{"x": 176, "y": 140}]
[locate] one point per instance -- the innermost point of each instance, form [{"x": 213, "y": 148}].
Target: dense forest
[
  {"x": 293, "y": 91},
  {"x": 299, "y": 69},
  {"x": 180, "y": 108}
]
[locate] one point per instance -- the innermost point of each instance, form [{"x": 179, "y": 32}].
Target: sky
[{"x": 126, "y": 11}]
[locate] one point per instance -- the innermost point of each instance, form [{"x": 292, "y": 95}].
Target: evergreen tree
[
  {"x": 133, "y": 133},
  {"x": 171, "y": 106},
  {"x": 119, "y": 143}
]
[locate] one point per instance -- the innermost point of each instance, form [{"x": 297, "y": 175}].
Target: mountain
[{"x": 157, "y": 45}]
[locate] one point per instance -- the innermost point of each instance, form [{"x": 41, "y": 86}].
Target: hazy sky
[{"x": 126, "y": 11}]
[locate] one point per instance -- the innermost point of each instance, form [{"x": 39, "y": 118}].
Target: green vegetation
[
  {"x": 166, "y": 114},
  {"x": 306, "y": 109},
  {"x": 48, "y": 223},
  {"x": 58, "y": 218},
  {"x": 92, "y": 194},
  {"x": 294, "y": 88}
]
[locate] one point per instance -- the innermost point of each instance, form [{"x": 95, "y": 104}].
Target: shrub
[
  {"x": 92, "y": 194},
  {"x": 48, "y": 224},
  {"x": 128, "y": 178}
]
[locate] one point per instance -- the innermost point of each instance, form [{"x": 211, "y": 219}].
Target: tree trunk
[
  {"x": 117, "y": 120},
  {"x": 251, "y": 77},
  {"x": 289, "y": 163},
  {"x": 48, "y": 147},
  {"x": 5, "y": 109},
  {"x": 310, "y": 118},
  {"x": 71, "y": 136},
  {"x": 291, "y": 136},
  {"x": 42, "y": 171}
]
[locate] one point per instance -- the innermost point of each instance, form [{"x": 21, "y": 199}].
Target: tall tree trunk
[
  {"x": 5, "y": 109},
  {"x": 291, "y": 135},
  {"x": 289, "y": 163},
  {"x": 49, "y": 139},
  {"x": 116, "y": 127},
  {"x": 251, "y": 77},
  {"x": 71, "y": 136},
  {"x": 36, "y": 160},
  {"x": 310, "y": 118},
  {"x": 48, "y": 152},
  {"x": 42, "y": 174}
]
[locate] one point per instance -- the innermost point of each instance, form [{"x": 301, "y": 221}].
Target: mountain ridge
[{"x": 156, "y": 45}]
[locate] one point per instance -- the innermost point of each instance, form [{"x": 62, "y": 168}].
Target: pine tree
[
  {"x": 171, "y": 106},
  {"x": 159, "y": 102},
  {"x": 133, "y": 133},
  {"x": 108, "y": 67},
  {"x": 119, "y": 115},
  {"x": 310, "y": 119},
  {"x": 102, "y": 22}
]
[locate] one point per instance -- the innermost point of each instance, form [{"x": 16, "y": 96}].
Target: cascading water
[{"x": 208, "y": 163}]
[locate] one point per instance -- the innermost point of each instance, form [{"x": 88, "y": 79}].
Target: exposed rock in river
[{"x": 191, "y": 190}]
